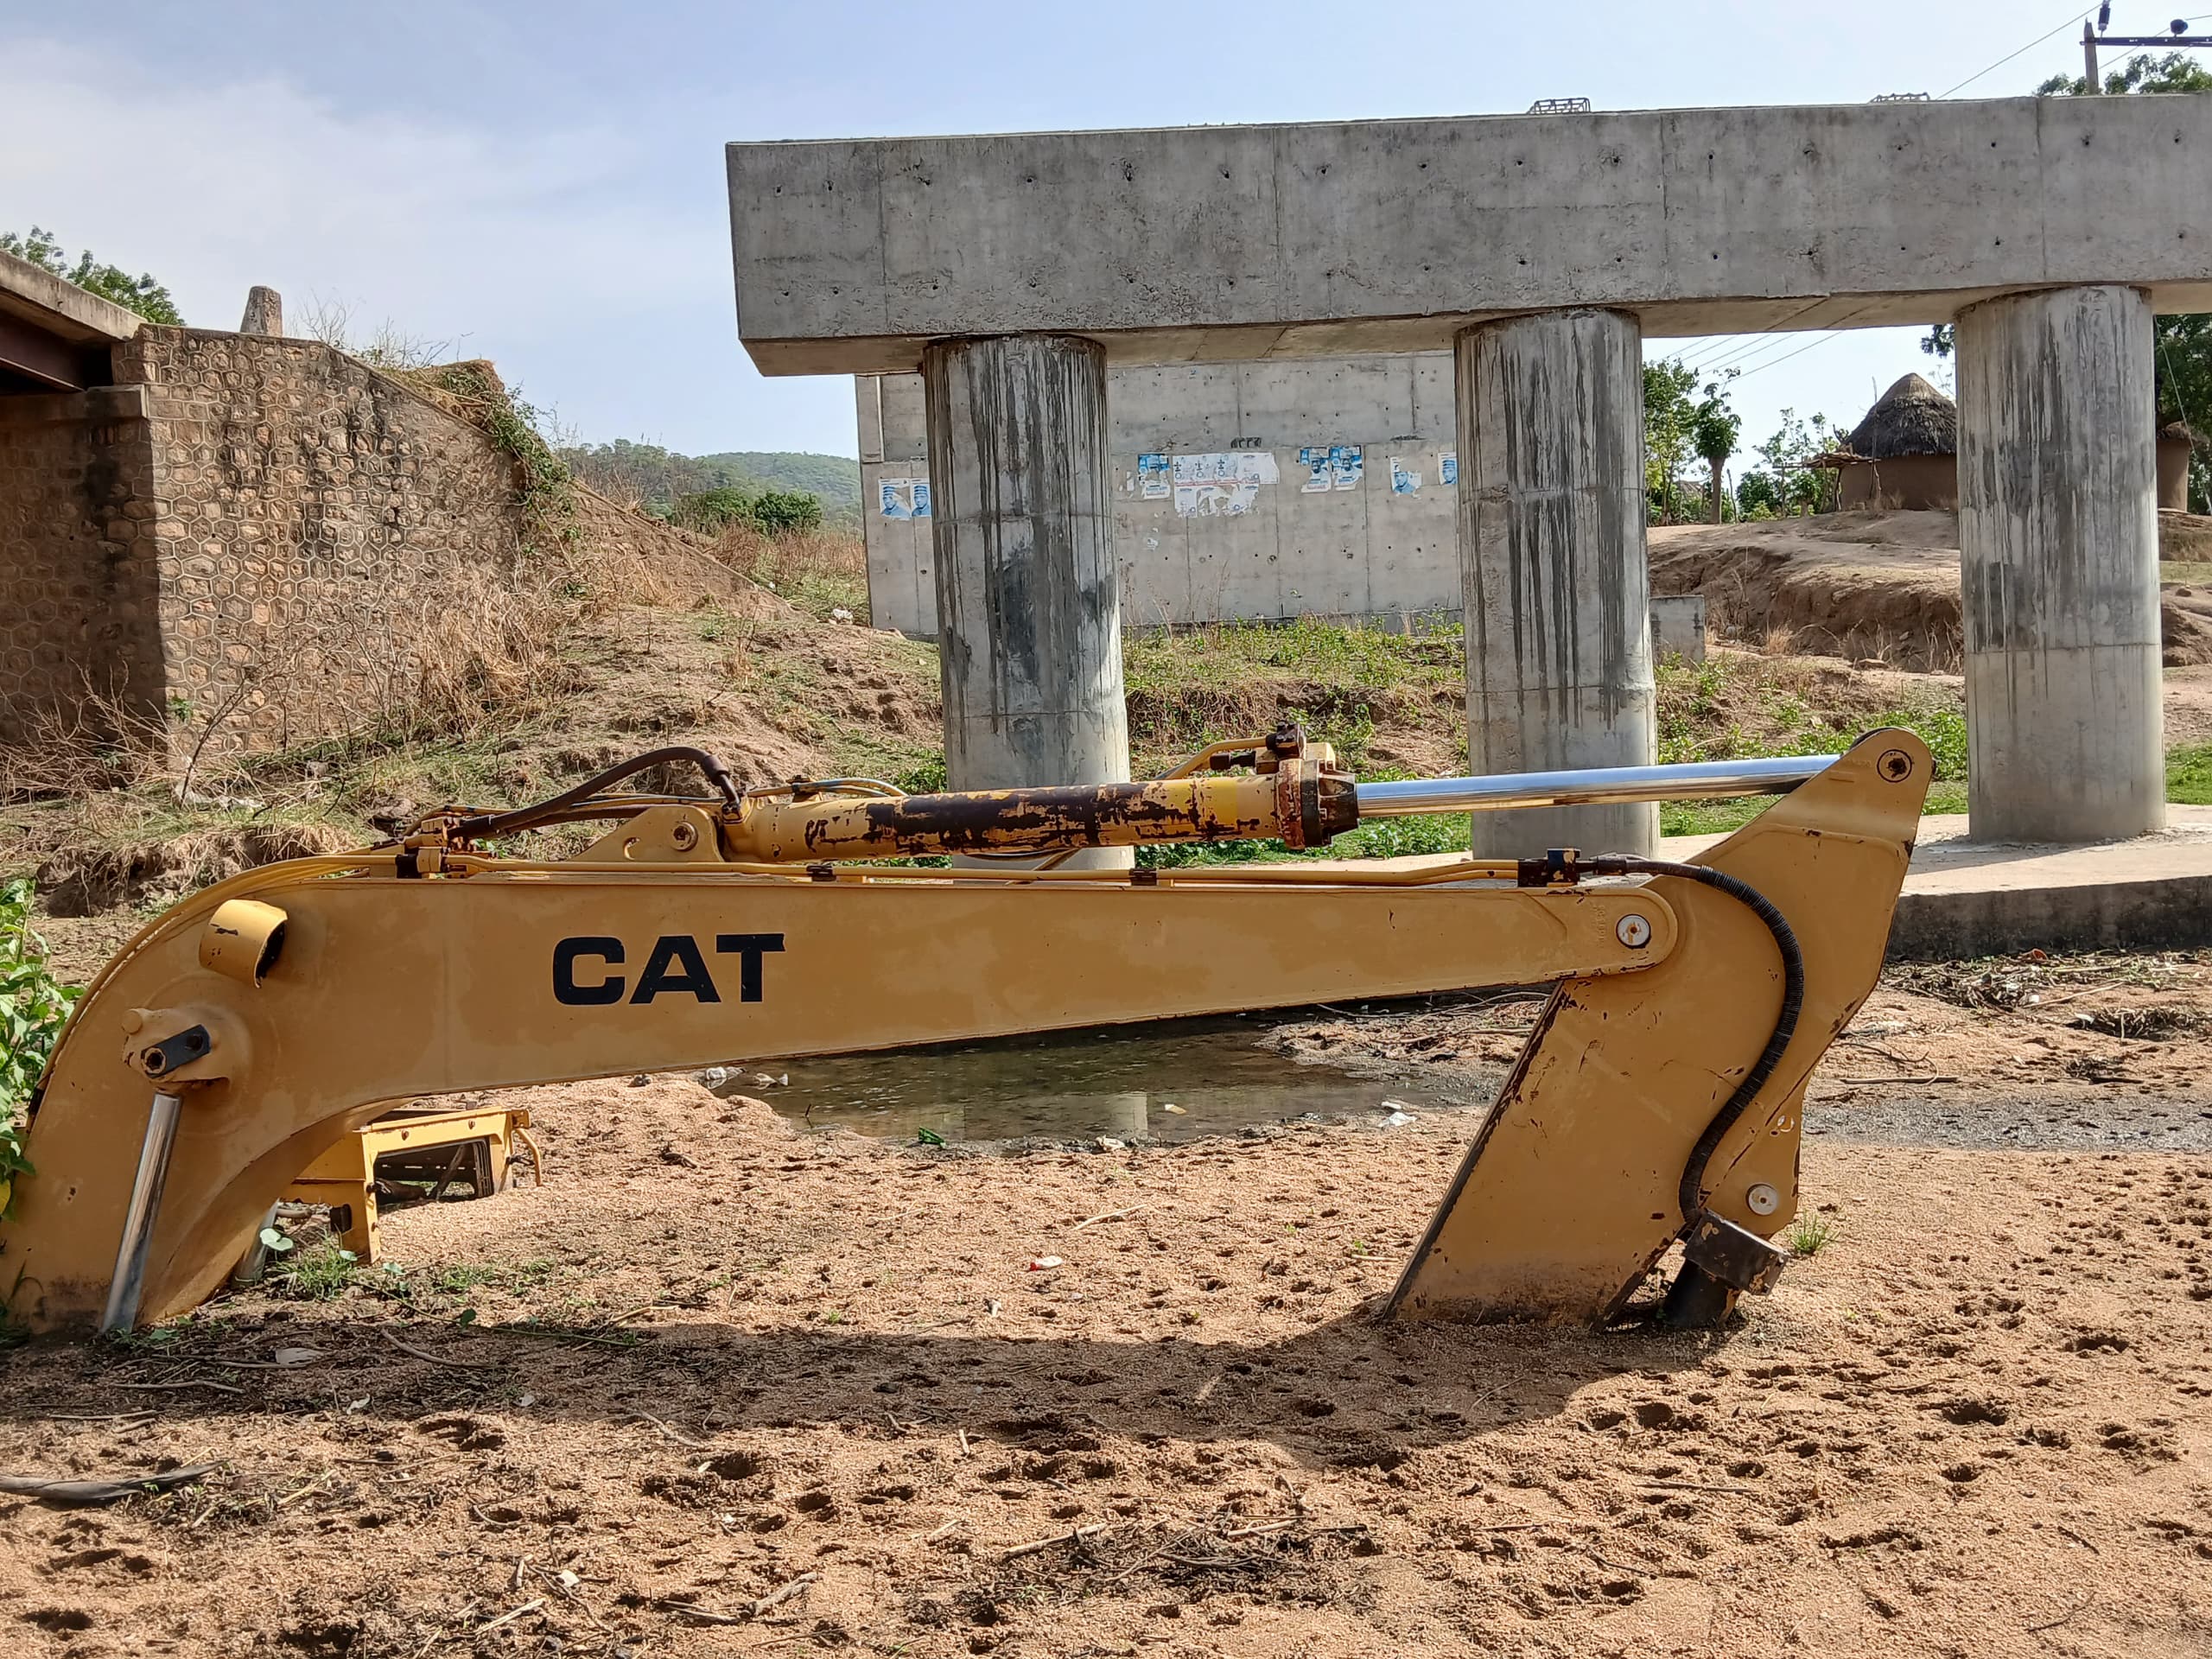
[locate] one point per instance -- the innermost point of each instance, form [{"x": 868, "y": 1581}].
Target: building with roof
[{"x": 1905, "y": 455}]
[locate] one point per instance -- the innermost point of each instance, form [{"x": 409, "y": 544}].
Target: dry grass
[{"x": 821, "y": 571}]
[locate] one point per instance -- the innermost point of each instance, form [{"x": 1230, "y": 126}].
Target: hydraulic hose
[
  {"x": 1692, "y": 1191},
  {"x": 486, "y": 825}
]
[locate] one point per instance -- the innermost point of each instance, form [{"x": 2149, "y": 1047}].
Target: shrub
[
  {"x": 34, "y": 1006},
  {"x": 770, "y": 512}
]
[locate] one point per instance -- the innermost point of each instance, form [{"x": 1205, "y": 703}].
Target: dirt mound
[
  {"x": 804, "y": 1388},
  {"x": 83, "y": 881},
  {"x": 1875, "y": 585}
]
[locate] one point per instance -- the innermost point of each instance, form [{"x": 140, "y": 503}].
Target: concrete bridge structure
[{"x": 1012, "y": 271}]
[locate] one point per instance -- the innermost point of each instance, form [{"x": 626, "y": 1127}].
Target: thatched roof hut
[
  {"x": 1910, "y": 418},
  {"x": 1903, "y": 453},
  {"x": 2175, "y": 443}
]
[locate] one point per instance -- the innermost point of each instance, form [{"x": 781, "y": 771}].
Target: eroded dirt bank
[{"x": 1976, "y": 1422}]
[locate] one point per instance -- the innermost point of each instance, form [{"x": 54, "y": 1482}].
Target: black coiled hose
[
  {"x": 1691, "y": 1192},
  {"x": 576, "y": 802}
]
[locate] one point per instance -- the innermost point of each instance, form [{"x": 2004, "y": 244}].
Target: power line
[
  {"x": 1777, "y": 362},
  {"x": 1760, "y": 345},
  {"x": 2072, "y": 18}
]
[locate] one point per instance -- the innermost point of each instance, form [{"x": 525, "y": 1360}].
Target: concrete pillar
[
  {"x": 1028, "y": 596},
  {"x": 1552, "y": 559},
  {"x": 264, "y": 312},
  {"x": 2059, "y": 539}
]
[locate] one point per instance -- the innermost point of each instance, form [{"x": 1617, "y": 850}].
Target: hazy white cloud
[
  {"x": 569, "y": 254},
  {"x": 217, "y": 187}
]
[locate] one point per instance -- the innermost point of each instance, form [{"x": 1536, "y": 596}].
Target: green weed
[
  {"x": 1809, "y": 1234},
  {"x": 321, "y": 1273}
]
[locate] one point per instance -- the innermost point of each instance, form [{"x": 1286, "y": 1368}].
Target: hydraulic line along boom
[{"x": 1656, "y": 1100}]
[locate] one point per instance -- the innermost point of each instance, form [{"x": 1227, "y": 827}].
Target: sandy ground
[{"x": 716, "y": 1360}]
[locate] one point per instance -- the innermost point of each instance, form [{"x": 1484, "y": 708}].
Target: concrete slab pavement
[{"x": 1964, "y": 898}]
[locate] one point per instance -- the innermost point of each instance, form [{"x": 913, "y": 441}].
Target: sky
[{"x": 541, "y": 183}]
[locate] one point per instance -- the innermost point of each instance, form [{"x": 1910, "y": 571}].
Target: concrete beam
[
  {"x": 62, "y": 309},
  {"x": 1217, "y": 243}
]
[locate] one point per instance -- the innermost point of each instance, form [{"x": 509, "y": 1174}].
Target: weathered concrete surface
[
  {"x": 1027, "y": 597},
  {"x": 1216, "y": 242},
  {"x": 1373, "y": 535},
  {"x": 61, "y": 308},
  {"x": 1678, "y": 627},
  {"x": 1551, "y": 556},
  {"x": 1965, "y": 899},
  {"x": 2058, "y": 541}
]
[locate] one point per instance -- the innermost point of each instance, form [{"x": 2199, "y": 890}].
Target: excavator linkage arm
[{"x": 268, "y": 1016}]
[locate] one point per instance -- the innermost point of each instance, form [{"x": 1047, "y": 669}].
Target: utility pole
[{"x": 2177, "y": 35}]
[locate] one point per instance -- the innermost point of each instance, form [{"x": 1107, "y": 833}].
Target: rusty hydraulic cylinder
[{"x": 1302, "y": 803}]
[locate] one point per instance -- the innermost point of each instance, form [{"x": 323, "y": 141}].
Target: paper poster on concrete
[
  {"x": 1257, "y": 466},
  {"x": 1347, "y": 466},
  {"x": 1215, "y": 501},
  {"x": 1405, "y": 477},
  {"x": 1205, "y": 469},
  {"x": 904, "y": 497},
  {"x": 1447, "y": 467},
  {"x": 1316, "y": 463},
  {"x": 1152, "y": 478}
]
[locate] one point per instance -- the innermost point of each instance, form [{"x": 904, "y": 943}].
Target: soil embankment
[{"x": 1880, "y": 585}]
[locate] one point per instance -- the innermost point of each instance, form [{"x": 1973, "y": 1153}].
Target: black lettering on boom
[
  {"x": 749, "y": 948},
  {"x": 674, "y": 950},
  {"x": 565, "y": 988}
]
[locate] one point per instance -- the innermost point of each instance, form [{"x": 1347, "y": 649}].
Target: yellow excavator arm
[{"x": 245, "y": 1031}]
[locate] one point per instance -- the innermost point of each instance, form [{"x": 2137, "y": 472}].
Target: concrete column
[
  {"x": 1028, "y": 596},
  {"x": 1552, "y": 559},
  {"x": 264, "y": 312},
  {"x": 2058, "y": 538}
]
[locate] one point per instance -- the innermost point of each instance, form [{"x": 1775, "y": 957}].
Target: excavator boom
[{"x": 247, "y": 1029}]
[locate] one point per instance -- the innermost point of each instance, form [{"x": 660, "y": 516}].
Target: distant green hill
[
  {"x": 835, "y": 479},
  {"x": 653, "y": 477}
]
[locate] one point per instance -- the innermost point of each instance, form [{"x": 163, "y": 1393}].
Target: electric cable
[{"x": 2074, "y": 17}]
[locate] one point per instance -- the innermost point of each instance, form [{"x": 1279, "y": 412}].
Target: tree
[
  {"x": 2182, "y": 347},
  {"x": 1714, "y": 427},
  {"x": 772, "y": 512},
  {"x": 2177, "y": 71},
  {"x": 1785, "y": 485},
  {"x": 1669, "y": 416},
  {"x": 140, "y": 294}
]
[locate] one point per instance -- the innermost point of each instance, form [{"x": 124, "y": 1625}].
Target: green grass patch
[
  {"x": 2189, "y": 775},
  {"x": 321, "y": 1273}
]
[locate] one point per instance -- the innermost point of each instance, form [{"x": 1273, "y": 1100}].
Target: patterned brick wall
[
  {"x": 265, "y": 535},
  {"x": 314, "y": 521}
]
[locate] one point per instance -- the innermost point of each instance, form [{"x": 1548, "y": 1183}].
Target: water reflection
[{"x": 1121, "y": 1082}]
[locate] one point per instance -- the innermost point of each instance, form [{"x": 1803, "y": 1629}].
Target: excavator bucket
[{"x": 1570, "y": 1193}]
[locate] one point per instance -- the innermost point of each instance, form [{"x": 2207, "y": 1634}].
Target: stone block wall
[
  {"x": 79, "y": 631},
  {"x": 314, "y": 521},
  {"x": 255, "y": 531}
]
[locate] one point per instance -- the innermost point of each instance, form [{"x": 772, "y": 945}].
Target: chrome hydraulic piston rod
[{"x": 1701, "y": 780}]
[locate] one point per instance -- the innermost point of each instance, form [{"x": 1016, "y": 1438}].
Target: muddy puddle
[{"x": 1164, "y": 1080}]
